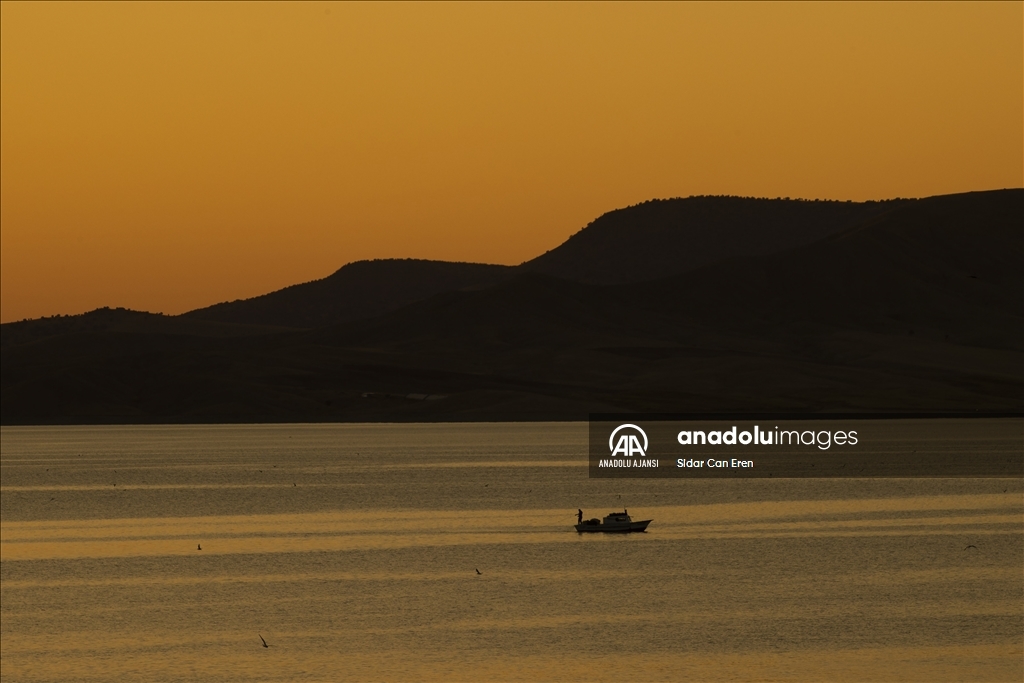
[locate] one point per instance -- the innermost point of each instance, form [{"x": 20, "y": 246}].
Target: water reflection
[{"x": 366, "y": 569}]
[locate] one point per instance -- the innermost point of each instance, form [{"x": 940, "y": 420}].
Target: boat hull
[{"x": 613, "y": 528}]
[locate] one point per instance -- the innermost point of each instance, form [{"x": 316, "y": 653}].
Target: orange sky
[{"x": 164, "y": 157}]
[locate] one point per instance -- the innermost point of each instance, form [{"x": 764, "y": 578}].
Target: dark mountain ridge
[
  {"x": 123, "y": 320},
  {"x": 358, "y": 290},
  {"x": 887, "y": 315},
  {"x": 648, "y": 241},
  {"x": 664, "y": 237},
  {"x": 917, "y": 308}
]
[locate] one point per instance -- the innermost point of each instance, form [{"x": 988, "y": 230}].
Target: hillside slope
[
  {"x": 919, "y": 308},
  {"x": 649, "y": 241},
  {"x": 358, "y": 290},
  {"x": 665, "y": 237}
]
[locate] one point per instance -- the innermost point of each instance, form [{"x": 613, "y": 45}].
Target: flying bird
[
  {"x": 264, "y": 642},
  {"x": 971, "y": 546},
  {"x": 479, "y": 572},
  {"x": 199, "y": 546}
]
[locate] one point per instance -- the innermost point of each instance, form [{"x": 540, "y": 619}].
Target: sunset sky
[{"x": 164, "y": 157}]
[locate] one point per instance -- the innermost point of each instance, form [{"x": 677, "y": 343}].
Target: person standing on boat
[{"x": 579, "y": 516}]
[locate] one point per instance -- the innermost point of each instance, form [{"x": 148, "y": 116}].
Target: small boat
[{"x": 614, "y": 522}]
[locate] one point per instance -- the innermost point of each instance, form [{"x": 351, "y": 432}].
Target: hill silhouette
[
  {"x": 917, "y": 307},
  {"x": 648, "y": 241},
  {"x": 126, "y": 321},
  {"x": 889, "y": 315},
  {"x": 665, "y": 237},
  {"x": 358, "y": 290}
]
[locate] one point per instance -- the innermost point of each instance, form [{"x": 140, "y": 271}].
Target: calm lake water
[{"x": 354, "y": 549}]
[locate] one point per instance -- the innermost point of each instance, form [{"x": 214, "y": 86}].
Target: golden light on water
[
  {"x": 383, "y": 530},
  {"x": 447, "y": 552}
]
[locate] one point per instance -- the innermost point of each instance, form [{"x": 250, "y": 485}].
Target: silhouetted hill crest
[
  {"x": 919, "y": 308},
  {"x": 120, "y": 320},
  {"x": 664, "y": 237},
  {"x": 357, "y": 290},
  {"x": 647, "y": 241}
]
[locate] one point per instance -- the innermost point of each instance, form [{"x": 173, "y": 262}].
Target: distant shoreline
[{"x": 603, "y": 417}]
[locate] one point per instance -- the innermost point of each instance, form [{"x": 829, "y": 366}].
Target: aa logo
[{"x": 627, "y": 444}]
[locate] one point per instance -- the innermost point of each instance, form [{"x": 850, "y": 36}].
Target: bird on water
[
  {"x": 199, "y": 546},
  {"x": 264, "y": 641}
]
